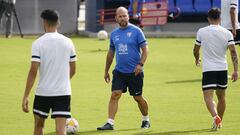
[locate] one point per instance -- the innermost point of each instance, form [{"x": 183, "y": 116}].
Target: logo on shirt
[
  {"x": 117, "y": 37},
  {"x": 123, "y": 49},
  {"x": 129, "y": 34}
]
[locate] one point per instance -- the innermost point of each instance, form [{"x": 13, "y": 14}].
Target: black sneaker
[
  {"x": 107, "y": 126},
  {"x": 145, "y": 124}
]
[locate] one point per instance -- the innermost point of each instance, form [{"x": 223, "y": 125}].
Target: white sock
[
  {"x": 145, "y": 118},
  {"x": 110, "y": 121}
]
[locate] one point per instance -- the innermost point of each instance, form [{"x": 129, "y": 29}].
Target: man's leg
[
  {"x": 211, "y": 105},
  {"x": 39, "y": 125},
  {"x": 112, "y": 110},
  {"x": 9, "y": 22},
  {"x": 2, "y": 10},
  {"x": 221, "y": 102},
  {"x": 143, "y": 107},
  {"x": 113, "y": 104},
  {"x": 142, "y": 104},
  {"x": 60, "y": 126}
]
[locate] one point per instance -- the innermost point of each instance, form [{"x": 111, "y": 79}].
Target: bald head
[
  {"x": 121, "y": 10},
  {"x": 122, "y": 17}
]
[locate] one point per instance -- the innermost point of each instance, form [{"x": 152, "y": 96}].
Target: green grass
[{"x": 172, "y": 87}]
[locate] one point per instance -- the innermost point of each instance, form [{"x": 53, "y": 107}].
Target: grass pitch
[{"x": 172, "y": 86}]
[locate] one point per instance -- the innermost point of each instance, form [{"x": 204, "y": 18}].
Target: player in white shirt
[
  {"x": 54, "y": 55},
  {"x": 229, "y": 18},
  {"x": 215, "y": 41}
]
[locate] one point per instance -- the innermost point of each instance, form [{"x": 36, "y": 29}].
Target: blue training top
[{"x": 126, "y": 42}]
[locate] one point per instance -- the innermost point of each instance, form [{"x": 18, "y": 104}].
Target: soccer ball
[
  {"x": 102, "y": 35},
  {"x": 72, "y": 126}
]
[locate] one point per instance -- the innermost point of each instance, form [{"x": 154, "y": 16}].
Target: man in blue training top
[
  {"x": 135, "y": 12},
  {"x": 127, "y": 41}
]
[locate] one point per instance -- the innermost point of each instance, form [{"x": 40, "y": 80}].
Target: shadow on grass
[
  {"x": 98, "y": 50},
  {"x": 95, "y": 132},
  {"x": 175, "y": 132},
  {"x": 184, "y": 81}
]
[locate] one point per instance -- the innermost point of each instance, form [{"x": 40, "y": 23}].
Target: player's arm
[
  {"x": 139, "y": 67},
  {"x": 196, "y": 54},
  {"x": 109, "y": 60},
  {"x": 233, "y": 19},
  {"x": 72, "y": 68},
  {"x": 234, "y": 56},
  {"x": 30, "y": 81}
]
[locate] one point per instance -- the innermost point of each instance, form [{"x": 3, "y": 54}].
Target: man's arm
[
  {"x": 72, "y": 69},
  {"x": 234, "y": 56},
  {"x": 109, "y": 60},
  {"x": 144, "y": 55},
  {"x": 30, "y": 81},
  {"x": 196, "y": 54},
  {"x": 233, "y": 19}
]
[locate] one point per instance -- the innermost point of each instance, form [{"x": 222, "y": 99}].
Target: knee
[
  {"x": 138, "y": 98},
  {"x": 39, "y": 125},
  {"x": 115, "y": 95}
]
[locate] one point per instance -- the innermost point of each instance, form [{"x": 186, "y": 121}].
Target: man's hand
[
  {"x": 198, "y": 62},
  {"x": 107, "y": 77},
  {"x": 234, "y": 76},
  {"x": 25, "y": 105},
  {"x": 138, "y": 69}
]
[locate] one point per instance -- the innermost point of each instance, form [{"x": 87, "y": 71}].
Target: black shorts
[
  {"x": 60, "y": 106},
  {"x": 237, "y": 38},
  {"x": 216, "y": 80},
  {"x": 122, "y": 81},
  {"x": 136, "y": 21}
]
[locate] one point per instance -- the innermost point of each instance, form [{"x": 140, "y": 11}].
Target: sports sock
[
  {"x": 145, "y": 118},
  {"x": 110, "y": 121}
]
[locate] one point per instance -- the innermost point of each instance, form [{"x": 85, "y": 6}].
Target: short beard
[{"x": 123, "y": 24}]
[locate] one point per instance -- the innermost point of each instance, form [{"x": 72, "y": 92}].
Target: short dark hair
[
  {"x": 51, "y": 16},
  {"x": 214, "y": 13}
]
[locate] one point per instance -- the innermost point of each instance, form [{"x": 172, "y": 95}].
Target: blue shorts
[
  {"x": 60, "y": 106},
  {"x": 122, "y": 81}
]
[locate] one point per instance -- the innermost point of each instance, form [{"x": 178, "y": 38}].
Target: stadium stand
[{"x": 202, "y": 6}]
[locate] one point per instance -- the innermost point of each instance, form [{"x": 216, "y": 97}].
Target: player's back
[
  {"x": 214, "y": 42},
  {"x": 55, "y": 52}
]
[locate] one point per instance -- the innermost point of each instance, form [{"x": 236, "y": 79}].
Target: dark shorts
[
  {"x": 237, "y": 38},
  {"x": 216, "y": 80},
  {"x": 60, "y": 106},
  {"x": 136, "y": 21},
  {"x": 122, "y": 81}
]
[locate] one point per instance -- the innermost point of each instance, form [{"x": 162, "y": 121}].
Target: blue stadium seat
[
  {"x": 202, "y": 6},
  {"x": 217, "y": 3},
  {"x": 186, "y": 6}
]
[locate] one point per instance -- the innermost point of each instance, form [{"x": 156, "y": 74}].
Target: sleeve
[
  {"x": 73, "y": 56},
  {"x": 234, "y": 3},
  {"x": 36, "y": 52},
  {"x": 141, "y": 40},
  {"x": 198, "y": 39},
  {"x": 112, "y": 47},
  {"x": 230, "y": 39}
]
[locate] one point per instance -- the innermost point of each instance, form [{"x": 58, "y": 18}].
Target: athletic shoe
[
  {"x": 145, "y": 124},
  {"x": 107, "y": 126},
  {"x": 217, "y": 123}
]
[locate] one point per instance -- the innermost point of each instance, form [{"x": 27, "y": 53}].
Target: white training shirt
[
  {"x": 54, "y": 51},
  {"x": 214, "y": 41},
  {"x": 226, "y": 5}
]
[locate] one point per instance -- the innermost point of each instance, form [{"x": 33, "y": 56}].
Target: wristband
[{"x": 140, "y": 64}]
